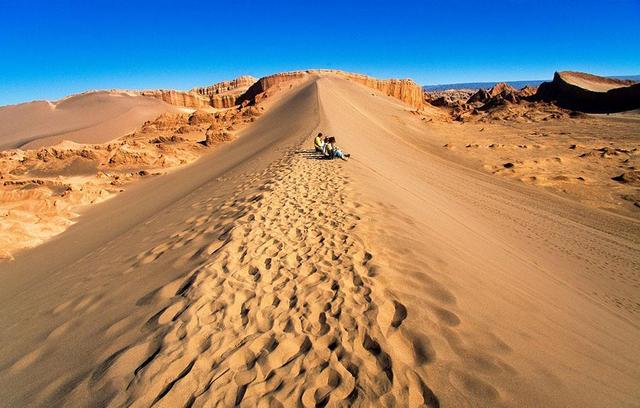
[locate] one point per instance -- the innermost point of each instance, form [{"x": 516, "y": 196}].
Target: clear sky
[{"x": 49, "y": 49}]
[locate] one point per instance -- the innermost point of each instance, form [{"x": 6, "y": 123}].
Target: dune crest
[{"x": 403, "y": 89}]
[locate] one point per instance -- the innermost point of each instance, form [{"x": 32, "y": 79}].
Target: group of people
[{"x": 327, "y": 146}]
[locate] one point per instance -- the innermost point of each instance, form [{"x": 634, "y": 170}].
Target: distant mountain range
[{"x": 515, "y": 84}]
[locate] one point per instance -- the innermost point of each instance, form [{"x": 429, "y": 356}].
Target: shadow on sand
[{"x": 311, "y": 154}]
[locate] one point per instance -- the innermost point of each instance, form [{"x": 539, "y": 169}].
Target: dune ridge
[
  {"x": 270, "y": 304},
  {"x": 403, "y": 89}
]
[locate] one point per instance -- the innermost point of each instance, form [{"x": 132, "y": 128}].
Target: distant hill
[
  {"x": 589, "y": 93},
  {"x": 478, "y": 85},
  {"x": 515, "y": 84}
]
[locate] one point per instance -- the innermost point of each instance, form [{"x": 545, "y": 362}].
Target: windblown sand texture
[{"x": 261, "y": 276}]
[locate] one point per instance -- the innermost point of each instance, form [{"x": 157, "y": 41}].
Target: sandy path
[{"x": 259, "y": 276}]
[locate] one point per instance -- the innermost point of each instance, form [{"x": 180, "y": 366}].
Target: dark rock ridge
[
  {"x": 500, "y": 94},
  {"x": 449, "y": 98},
  {"x": 590, "y": 93}
]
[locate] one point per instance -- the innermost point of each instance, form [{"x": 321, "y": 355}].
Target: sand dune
[
  {"x": 593, "y": 82},
  {"x": 261, "y": 276},
  {"x": 92, "y": 117}
]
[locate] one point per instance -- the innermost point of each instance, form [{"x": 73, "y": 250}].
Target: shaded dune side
[{"x": 590, "y": 93}]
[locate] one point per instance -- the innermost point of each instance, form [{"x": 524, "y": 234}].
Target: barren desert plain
[{"x": 480, "y": 248}]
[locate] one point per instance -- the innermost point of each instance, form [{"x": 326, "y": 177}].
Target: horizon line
[{"x": 116, "y": 89}]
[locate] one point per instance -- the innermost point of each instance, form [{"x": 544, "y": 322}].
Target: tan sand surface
[
  {"x": 593, "y": 82},
  {"x": 91, "y": 117},
  {"x": 260, "y": 276},
  {"x": 591, "y": 159}
]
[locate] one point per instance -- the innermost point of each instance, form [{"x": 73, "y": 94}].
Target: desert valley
[{"x": 172, "y": 248}]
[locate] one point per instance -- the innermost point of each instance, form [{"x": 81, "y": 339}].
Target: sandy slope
[
  {"x": 593, "y": 82},
  {"x": 261, "y": 276},
  {"x": 92, "y": 117}
]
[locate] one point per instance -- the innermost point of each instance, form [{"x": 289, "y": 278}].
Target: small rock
[{"x": 628, "y": 177}]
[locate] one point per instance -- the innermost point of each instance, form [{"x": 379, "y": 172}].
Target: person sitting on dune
[
  {"x": 332, "y": 151},
  {"x": 326, "y": 146},
  {"x": 319, "y": 143}
]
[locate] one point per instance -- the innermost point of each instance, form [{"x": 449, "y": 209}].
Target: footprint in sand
[{"x": 270, "y": 318}]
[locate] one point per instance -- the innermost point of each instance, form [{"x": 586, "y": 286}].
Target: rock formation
[
  {"x": 187, "y": 99},
  {"x": 220, "y": 95},
  {"x": 235, "y": 86},
  {"x": 527, "y": 91},
  {"x": 481, "y": 96},
  {"x": 590, "y": 93},
  {"x": 403, "y": 89},
  {"x": 502, "y": 102},
  {"x": 499, "y": 94},
  {"x": 448, "y": 98}
]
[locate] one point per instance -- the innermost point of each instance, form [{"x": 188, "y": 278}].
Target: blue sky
[{"x": 49, "y": 49}]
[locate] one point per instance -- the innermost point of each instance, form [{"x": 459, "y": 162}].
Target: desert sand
[
  {"x": 92, "y": 117},
  {"x": 409, "y": 275}
]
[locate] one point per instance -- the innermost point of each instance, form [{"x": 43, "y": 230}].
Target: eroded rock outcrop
[
  {"x": 590, "y": 93},
  {"x": 499, "y": 94},
  {"x": 403, "y": 89},
  {"x": 235, "y": 86},
  {"x": 502, "y": 102},
  {"x": 221, "y": 95},
  {"x": 187, "y": 99},
  {"x": 448, "y": 98}
]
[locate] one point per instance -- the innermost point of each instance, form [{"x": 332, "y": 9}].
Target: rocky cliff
[
  {"x": 590, "y": 93},
  {"x": 403, "y": 89},
  {"x": 187, "y": 99},
  {"x": 220, "y": 95},
  {"x": 235, "y": 86}
]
